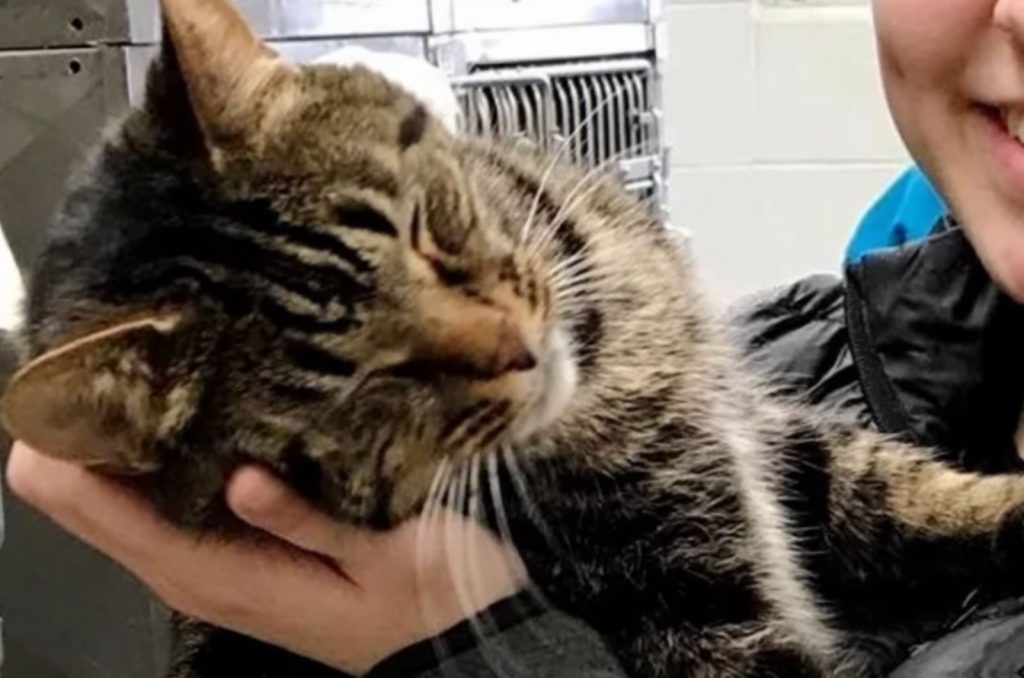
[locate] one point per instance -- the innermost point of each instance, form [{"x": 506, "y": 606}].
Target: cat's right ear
[
  {"x": 167, "y": 101},
  {"x": 231, "y": 82},
  {"x": 102, "y": 400}
]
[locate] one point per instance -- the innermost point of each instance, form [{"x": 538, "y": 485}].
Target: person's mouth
[
  {"x": 1012, "y": 119},
  {"x": 1000, "y": 128}
]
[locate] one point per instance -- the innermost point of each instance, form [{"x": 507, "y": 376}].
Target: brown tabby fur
[{"x": 302, "y": 268}]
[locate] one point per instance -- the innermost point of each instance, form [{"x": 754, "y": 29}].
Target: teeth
[{"x": 1014, "y": 121}]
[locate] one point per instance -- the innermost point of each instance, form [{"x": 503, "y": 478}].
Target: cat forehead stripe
[
  {"x": 315, "y": 359},
  {"x": 261, "y": 215},
  {"x": 413, "y": 127}
]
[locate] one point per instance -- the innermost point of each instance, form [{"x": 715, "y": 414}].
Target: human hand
[{"x": 336, "y": 594}]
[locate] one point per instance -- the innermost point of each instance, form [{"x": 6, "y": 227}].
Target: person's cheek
[
  {"x": 922, "y": 49},
  {"x": 929, "y": 40}
]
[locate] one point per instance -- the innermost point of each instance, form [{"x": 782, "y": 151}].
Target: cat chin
[{"x": 553, "y": 388}]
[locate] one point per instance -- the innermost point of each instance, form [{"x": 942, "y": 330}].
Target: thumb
[{"x": 263, "y": 501}]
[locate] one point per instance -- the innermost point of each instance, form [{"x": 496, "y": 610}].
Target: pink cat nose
[
  {"x": 512, "y": 355},
  {"x": 483, "y": 353},
  {"x": 472, "y": 340}
]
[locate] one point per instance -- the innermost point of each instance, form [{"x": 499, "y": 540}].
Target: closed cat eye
[
  {"x": 364, "y": 217},
  {"x": 448, "y": 275},
  {"x": 423, "y": 245}
]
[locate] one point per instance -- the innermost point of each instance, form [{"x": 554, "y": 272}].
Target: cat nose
[
  {"x": 483, "y": 352},
  {"x": 512, "y": 354},
  {"x": 472, "y": 340}
]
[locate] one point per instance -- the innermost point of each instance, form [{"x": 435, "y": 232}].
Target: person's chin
[{"x": 1001, "y": 248}]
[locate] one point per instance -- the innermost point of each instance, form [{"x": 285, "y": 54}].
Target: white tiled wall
[
  {"x": 10, "y": 287},
  {"x": 779, "y": 133}
]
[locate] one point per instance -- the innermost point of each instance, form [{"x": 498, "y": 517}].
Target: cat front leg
[
  {"x": 895, "y": 509},
  {"x": 894, "y": 541}
]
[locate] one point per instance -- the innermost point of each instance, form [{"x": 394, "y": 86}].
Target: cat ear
[
  {"x": 103, "y": 400},
  {"x": 233, "y": 79}
]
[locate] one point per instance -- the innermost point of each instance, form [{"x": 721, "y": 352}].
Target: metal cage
[{"x": 600, "y": 114}]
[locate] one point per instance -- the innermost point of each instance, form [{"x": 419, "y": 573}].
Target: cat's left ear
[
  {"x": 235, "y": 82},
  {"x": 102, "y": 400}
]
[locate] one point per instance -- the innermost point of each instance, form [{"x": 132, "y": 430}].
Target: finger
[
  {"x": 231, "y": 584},
  {"x": 95, "y": 509},
  {"x": 261, "y": 500}
]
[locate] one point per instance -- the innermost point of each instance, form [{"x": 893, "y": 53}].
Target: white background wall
[
  {"x": 10, "y": 288},
  {"x": 779, "y": 132}
]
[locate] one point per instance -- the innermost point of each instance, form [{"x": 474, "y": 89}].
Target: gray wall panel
[
  {"x": 55, "y": 23},
  {"x": 53, "y": 105}
]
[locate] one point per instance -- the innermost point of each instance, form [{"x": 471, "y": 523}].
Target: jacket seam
[{"x": 881, "y": 398}]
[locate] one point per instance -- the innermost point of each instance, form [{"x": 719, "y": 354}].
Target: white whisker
[
  {"x": 438, "y": 488},
  {"x": 595, "y": 172},
  {"x": 477, "y": 590},
  {"x": 568, "y": 204},
  {"x": 569, "y": 273},
  {"x": 519, "y": 482},
  {"x": 454, "y": 559},
  {"x": 501, "y": 516},
  {"x": 573, "y": 260},
  {"x": 587, "y": 288},
  {"x": 564, "y": 146}
]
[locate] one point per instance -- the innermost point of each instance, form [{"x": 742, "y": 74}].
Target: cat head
[{"x": 288, "y": 264}]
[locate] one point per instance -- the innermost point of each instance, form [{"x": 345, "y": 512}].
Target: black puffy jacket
[{"x": 917, "y": 341}]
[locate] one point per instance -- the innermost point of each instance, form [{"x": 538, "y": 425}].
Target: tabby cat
[{"x": 300, "y": 267}]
